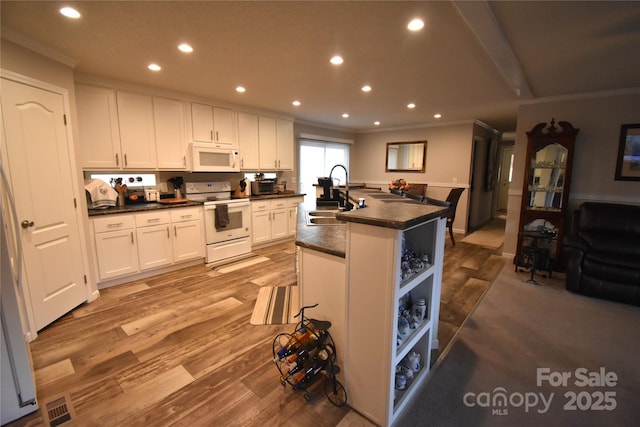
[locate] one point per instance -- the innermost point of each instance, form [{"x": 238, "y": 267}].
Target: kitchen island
[{"x": 362, "y": 274}]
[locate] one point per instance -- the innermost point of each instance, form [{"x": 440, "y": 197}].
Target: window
[
  {"x": 133, "y": 181},
  {"x": 316, "y": 160}
]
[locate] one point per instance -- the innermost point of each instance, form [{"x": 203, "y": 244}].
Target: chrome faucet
[{"x": 346, "y": 178}]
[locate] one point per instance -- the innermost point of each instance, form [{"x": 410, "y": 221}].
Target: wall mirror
[{"x": 406, "y": 156}]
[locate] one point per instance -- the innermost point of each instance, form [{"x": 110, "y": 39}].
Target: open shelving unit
[{"x": 376, "y": 284}]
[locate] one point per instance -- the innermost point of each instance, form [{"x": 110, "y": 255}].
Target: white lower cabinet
[
  {"x": 154, "y": 240},
  {"x": 116, "y": 247},
  {"x": 188, "y": 235},
  {"x": 127, "y": 244},
  {"x": 274, "y": 219}
]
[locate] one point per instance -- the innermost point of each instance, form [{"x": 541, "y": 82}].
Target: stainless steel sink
[
  {"x": 324, "y": 217},
  {"x": 325, "y": 221},
  {"x": 323, "y": 213}
]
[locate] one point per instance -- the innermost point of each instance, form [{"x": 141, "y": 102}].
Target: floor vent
[{"x": 58, "y": 411}]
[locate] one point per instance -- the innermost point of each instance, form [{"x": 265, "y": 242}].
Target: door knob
[{"x": 27, "y": 224}]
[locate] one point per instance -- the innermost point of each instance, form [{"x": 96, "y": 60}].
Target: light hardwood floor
[{"x": 178, "y": 349}]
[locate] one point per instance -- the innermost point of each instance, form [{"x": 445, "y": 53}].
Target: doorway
[{"x": 504, "y": 177}]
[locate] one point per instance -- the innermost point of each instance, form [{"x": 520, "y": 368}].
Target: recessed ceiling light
[
  {"x": 411, "y": 105},
  {"x": 366, "y": 88},
  {"x": 154, "y": 67},
  {"x": 241, "y": 89},
  {"x": 437, "y": 115},
  {"x": 186, "y": 48},
  {"x": 415, "y": 24},
  {"x": 376, "y": 123},
  {"x": 345, "y": 115},
  {"x": 70, "y": 12},
  {"x": 336, "y": 60},
  {"x": 296, "y": 103}
]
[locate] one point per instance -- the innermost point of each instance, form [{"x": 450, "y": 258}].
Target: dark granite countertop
[
  {"x": 390, "y": 210},
  {"x": 276, "y": 196},
  {"x": 140, "y": 207},
  {"x": 382, "y": 209},
  {"x": 330, "y": 239}
]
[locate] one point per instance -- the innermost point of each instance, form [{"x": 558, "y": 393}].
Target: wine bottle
[{"x": 293, "y": 370}]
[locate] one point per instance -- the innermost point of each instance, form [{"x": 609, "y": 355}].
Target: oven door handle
[{"x": 232, "y": 206}]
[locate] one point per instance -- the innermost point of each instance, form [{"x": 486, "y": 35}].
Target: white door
[
  {"x": 506, "y": 162},
  {"x": 42, "y": 179}
]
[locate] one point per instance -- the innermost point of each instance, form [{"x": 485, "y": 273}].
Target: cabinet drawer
[
  {"x": 113, "y": 223},
  {"x": 263, "y": 205},
  {"x": 294, "y": 201},
  {"x": 185, "y": 214},
  {"x": 152, "y": 218},
  {"x": 280, "y": 203}
]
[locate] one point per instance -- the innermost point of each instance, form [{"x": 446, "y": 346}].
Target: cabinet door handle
[
  {"x": 275, "y": 163},
  {"x": 211, "y": 134},
  {"x": 175, "y": 231},
  {"x": 114, "y": 224},
  {"x": 217, "y": 137},
  {"x": 168, "y": 234},
  {"x": 132, "y": 241},
  {"x": 184, "y": 161},
  {"x": 125, "y": 160},
  {"x": 117, "y": 160}
]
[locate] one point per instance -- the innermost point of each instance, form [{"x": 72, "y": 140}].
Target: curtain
[{"x": 316, "y": 158}]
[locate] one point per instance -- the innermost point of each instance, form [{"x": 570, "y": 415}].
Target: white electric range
[{"x": 227, "y": 221}]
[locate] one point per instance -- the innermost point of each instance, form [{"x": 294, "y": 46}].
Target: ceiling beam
[{"x": 482, "y": 22}]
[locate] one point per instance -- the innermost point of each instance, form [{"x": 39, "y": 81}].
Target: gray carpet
[{"x": 518, "y": 328}]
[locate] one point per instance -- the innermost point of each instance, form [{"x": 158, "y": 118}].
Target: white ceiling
[{"x": 472, "y": 61}]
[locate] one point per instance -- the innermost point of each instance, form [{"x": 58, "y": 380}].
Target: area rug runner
[{"x": 275, "y": 305}]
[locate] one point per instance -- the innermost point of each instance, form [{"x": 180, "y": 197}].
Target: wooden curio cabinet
[{"x": 545, "y": 192}]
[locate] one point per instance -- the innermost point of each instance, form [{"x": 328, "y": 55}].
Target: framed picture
[{"x": 628, "y": 166}]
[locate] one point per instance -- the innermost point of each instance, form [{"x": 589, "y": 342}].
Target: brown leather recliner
[{"x": 602, "y": 252}]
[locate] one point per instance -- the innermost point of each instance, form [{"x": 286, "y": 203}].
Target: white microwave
[{"x": 206, "y": 157}]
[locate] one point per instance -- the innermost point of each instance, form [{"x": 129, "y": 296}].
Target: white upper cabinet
[
  {"x": 268, "y": 147},
  {"x": 248, "y": 141},
  {"x": 98, "y": 127},
  {"x": 137, "y": 133},
  {"x": 276, "y": 143},
  {"x": 170, "y": 130},
  {"x": 284, "y": 144},
  {"x": 213, "y": 124}
]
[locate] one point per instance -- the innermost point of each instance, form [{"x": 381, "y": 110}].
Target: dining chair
[
  {"x": 452, "y": 203},
  {"x": 415, "y": 196}
]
